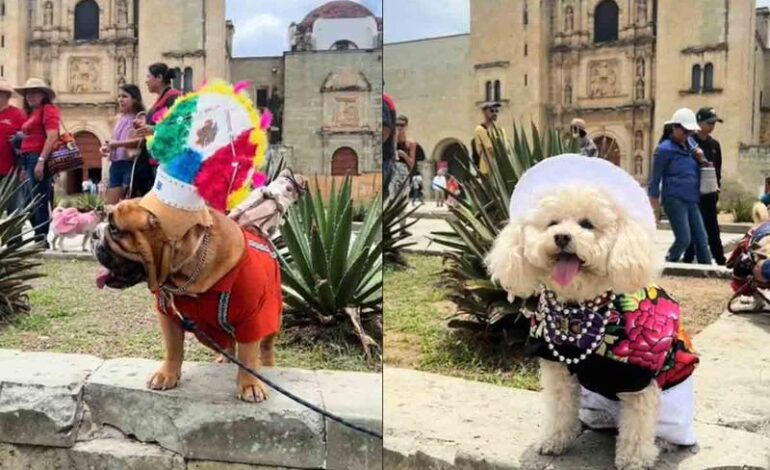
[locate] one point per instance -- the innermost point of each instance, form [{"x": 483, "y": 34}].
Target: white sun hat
[
  {"x": 685, "y": 117},
  {"x": 579, "y": 171}
]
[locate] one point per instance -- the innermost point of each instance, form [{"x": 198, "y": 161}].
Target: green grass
[
  {"x": 69, "y": 314},
  {"x": 416, "y": 335}
]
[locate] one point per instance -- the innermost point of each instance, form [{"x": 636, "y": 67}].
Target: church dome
[{"x": 337, "y": 9}]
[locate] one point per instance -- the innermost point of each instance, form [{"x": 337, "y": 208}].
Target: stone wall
[
  {"x": 754, "y": 166},
  {"x": 333, "y": 100},
  {"x": 71, "y": 411}
]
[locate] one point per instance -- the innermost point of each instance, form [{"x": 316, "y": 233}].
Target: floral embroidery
[{"x": 644, "y": 330}]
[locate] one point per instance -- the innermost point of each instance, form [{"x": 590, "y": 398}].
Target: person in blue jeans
[
  {"x": 675, "y": 181},
  {"x": 41, "y": 130}
]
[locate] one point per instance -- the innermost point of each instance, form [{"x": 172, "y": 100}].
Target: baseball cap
[{"x": 707, "y": 115}]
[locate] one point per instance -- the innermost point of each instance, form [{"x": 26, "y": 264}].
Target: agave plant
[
  {"x": 395, "y": 227},
  {"x": 482, "y": 305},
  {"x": 89, "y": 202},
  {"x": 331, "y": 275},
  {"x": 18, "y": 257}
]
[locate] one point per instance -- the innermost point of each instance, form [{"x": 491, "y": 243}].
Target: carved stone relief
[
  {"x": 638, "y": 140},
  {"x": 603, "y": 78},
  {"x": 569, "y": 19},
  {"x": 567, "y": 94},
  {"x": 346, "y": 112},
  {"x": 84, "y": 74},
  {"x": 121, "y": 66},
  {"x": 641, "y": 11},
  {"x": 640, "y": 89},
  {"x": 122, "y": 12},
  {"x": 48, "y": 14},
  {"x": 638, "y": 165}
]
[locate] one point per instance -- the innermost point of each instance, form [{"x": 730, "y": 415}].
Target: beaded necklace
[{"x": 577, "y": 324}]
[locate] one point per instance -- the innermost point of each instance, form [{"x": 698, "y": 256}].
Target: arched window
[
  {"x": 568, "y": 94},
  {"x": 343, "y": 45},
  {"x": 569, "y": 19},
  {"x": 695, "y": 80},
  {"x": 606, "y": 22},
  {"x": 188, "y": 79},
  {"x": 488, "y": 93},
  {"x": 87, "y": 20},
  {"x": 708, "y": 77},
  {"x": 640, "y": 67},
  {"x": 177, "y": 81},
  {"x": 497, "y": 90}
]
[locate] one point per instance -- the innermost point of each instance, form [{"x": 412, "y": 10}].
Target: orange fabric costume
[{"x": 245, "y": 305}]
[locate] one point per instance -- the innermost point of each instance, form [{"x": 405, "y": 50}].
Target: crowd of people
[
  {"x": 684, "y": 184},
  {"x": 28, "y": 137}
]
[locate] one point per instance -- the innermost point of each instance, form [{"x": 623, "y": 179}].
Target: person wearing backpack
[{"x": 41, "y": 131}]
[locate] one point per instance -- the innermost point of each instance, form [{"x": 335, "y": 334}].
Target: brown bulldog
[{"x": 225, "y": 279}]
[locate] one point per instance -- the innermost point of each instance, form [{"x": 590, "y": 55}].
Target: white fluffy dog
[{"x": 574, "y": 238}]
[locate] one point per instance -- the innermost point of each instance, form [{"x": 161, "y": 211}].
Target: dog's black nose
[{"x": 562, "y": 239}]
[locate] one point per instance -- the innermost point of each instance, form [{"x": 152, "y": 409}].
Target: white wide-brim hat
[
  {"x": 574, "y": 170},
  {"x": 35, "y": 84}
]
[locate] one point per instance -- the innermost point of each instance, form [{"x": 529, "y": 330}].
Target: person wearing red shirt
[
  {"x": 11, "y": 120},
  {"x": 41, "y": 130}
]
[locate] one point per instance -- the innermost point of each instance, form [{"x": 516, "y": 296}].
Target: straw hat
[
  {"x": 35, "y": 84},
  {"x": 6, "y": 87}
]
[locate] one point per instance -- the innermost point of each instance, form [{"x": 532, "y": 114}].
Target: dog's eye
[
  {"x": 114, "y": 230},
  {"x": 586, "y": 224},
  {"x": 552, "y": 223}
]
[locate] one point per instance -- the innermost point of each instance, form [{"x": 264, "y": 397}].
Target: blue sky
[
  {"x": 261, "y": 26},
  {"x": 405, "y": 20}
]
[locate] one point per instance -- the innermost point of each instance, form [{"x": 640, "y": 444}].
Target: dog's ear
[
  {"x": 508, "y": 265},
  {"x": 631, "y": 263}
]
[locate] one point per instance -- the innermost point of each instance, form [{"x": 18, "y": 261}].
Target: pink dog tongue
[
  {"x": 101, "y": 277},
  {"x": 566, "y": 269}
]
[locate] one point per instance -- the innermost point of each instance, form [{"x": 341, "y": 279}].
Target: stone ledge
[
  {"x": 458, "y": 424},
  {"x": 69, "y": 408},
  {"x": 697, "y": 270}
]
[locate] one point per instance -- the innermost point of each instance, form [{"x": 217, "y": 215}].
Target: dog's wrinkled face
[
  {"x": 122, "y": 247},
  {"x": 578, "y": 243}
]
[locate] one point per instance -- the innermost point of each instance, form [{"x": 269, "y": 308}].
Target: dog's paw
[
  {"x": 556, "y": 444},
  {"x": 639, "y": 457},
  {"x": 252, "y": 390},
  {"x": 164, "y": 379}
]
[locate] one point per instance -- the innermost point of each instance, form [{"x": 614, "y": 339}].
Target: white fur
[{"x": 617, "y": 255}]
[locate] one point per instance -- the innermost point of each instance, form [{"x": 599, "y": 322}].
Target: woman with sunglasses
[{"x": 675, "y": 181}]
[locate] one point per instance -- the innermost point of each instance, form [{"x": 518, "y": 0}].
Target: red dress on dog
[{"x": 245, "y": 305}]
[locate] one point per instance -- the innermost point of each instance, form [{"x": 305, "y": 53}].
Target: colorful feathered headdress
[{"x": 211, "y": 148}]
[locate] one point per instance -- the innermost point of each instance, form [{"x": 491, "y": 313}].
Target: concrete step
[{"x": 437, "y": 422}]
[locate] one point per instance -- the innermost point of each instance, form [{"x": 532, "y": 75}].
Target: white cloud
[{"x": 261, "y": 26}]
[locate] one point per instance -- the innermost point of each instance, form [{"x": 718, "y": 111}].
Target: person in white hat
[
  {"x": 11, "y": 120},
  {"x": 675, "y": 184},
  {"x": 41, "y": 130}
]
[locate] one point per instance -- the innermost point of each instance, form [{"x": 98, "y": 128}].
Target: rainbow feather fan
[{"x": 215, "y": 140}]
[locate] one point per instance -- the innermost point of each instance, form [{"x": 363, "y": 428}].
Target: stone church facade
[
  {"x": 329, "y": 86},
  {"x": 624, "y": 66},
  {"x": 86, "y": 49}
]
